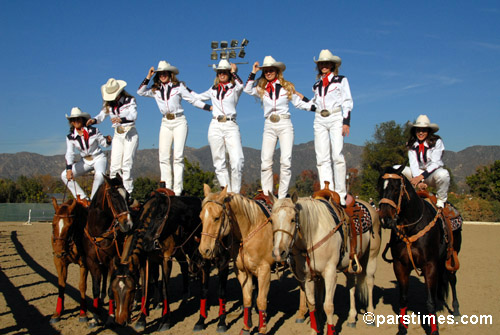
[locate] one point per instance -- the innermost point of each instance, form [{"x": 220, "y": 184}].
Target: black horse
[
  {"x": 108, "y": 218},
  {"x": 418, "y": 241},
  {"x": 168, "y": 226}
]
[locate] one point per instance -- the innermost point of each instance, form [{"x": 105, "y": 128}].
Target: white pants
[
  {"x": 222, "y": 137},
  {"x": 328, "y": 144},
  {"x": 98, "y": 164},
  {"x": 439, "y": 179},
  {"x": 173, "y": 131},
  {"x": 124, "y": 147},
  {"x": 282, "y": 131}
]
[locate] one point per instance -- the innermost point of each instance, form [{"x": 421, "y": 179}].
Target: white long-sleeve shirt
[
  {"x": 336, "y": 94},
  {"x": 125, "y": 109},
  {"x": 277, "y": 101},
  {"x": 224, "y": 99},
  {"x": 169, "y": 96},
  {"x": 90, "y": 147},
  {"x": 427, "y": 161}
]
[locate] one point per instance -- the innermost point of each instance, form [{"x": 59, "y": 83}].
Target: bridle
[
  {"x": 116, "y": 215},
  {"x": 225, "y": 221},
  {"x": 296, "y": 230},
  {"x": 64, "y": 239},
  {"x": 402, "y": 191}
]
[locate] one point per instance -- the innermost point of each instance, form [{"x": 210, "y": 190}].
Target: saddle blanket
[
  {"x": 365, "y": 218},
  {"x": 456, "y": 219}
]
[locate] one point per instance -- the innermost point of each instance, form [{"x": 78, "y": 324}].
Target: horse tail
[
  {"x": 362, "y": 288},
  {"x": 443, "y": 286}
]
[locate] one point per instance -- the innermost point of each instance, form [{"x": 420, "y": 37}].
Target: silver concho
[
  {"x": 170, "y": 116},
  {"x": 325, "y": 113},
  {"x": 120, "y": 130},
  {"x": 274, "y": 118},
  {"x": 221, "y": 118}
]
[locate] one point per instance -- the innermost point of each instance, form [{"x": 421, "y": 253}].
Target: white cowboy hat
[
  {"x": 269, "y": 61},
  {"x": 112, "y": 88},
  {"x": 223, "y": 65},
  {"x": 164, "y": 66},
  {"x": 326, "y": 56},
  {"x": 424, "y": 122},
  {"x": 77, "y": 112}
]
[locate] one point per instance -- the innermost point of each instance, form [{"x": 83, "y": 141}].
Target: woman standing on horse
[
  {"x": 168, "y": 92},
  {"x": 224, "y": 133},
  {"x": 425, "y": 152},
  {"x": 122, "y": 110},
  {"x": 275, "y": 93},
  {"x": 333, "y": 100},
  {"x": 86, "y": 141}
]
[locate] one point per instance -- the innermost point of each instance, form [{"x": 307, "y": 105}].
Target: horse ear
[
  {"x": 400, "y": 168},
  {"x": 106, "y": 179},
  {"x": 295, "y": 197},
  {"x": 223, "y": 193},
  {"x": 72, "y": 206},
  {"x": 206, "y": 190},
  {"x": 271, "y": 196},
  {"x": 54, "y": 203}
]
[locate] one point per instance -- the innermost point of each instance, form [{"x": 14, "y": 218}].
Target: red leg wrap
[
  {"x": 59, "y": 306},
  {"x": 83, "y": 308},
  {"x": 314, "y": 325},
  {"x": 246, "y": 316},
  {"x": 96, "y": 303},
  {"x": 222, "y": 307},
  {"x": 262, "y": 319},
  {"x": 433, "y": 324},
  {"x": 143, "y": 306},
  {"x": 402, "y": 312},
  {"x": 203, "y": 307},
  {"x": 111, "y": 307},
  {"x": 330, "y": 329},
  {"x": 165, "y": 307}
]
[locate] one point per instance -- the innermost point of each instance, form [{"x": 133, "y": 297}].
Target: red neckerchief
[
  {"x": 85, "y": 134},
  {"x": 421, "y": 148},
  {"x": 326, "y": 81},
  {"x": 270, "y": 87},
  {"x": 223, "y": 86}
]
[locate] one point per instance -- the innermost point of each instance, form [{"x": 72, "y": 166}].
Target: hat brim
[
  {"x": 335, "y": 59},
  {"x": 111, "y": 97},
  {"x": 83, "y": 115},
  {"x": 432, "y": 126},
  {"x": 278, "y": 65},
  {"x": 172, "y": 69}
]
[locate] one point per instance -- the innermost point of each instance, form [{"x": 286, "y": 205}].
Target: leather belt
[
  {"x": 276, "y": 117},
  {"x": 223, "y": 118},
  {"x": 172, "y": 116},
  {"x": 326, "y": 112},
  {"x": 123, "y": 129}
]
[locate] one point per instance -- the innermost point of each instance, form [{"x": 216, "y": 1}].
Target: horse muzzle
[{"x": 280, "y": 255}]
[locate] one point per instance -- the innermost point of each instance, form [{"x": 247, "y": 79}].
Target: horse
[
  {"x": 233, "y": 215},
  {"x": 169, "y": 226},
  {"x": 108, "y": 218},
  {"x": 418, "y": 241},
  {"x": 67, "y": 232},
  {"x": 311, "y": 231}
]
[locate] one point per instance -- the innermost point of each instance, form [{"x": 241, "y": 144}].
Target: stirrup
[{"x": 358, "y": 268}]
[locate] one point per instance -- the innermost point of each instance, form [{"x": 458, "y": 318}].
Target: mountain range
[{"x": 461, "y": 164}]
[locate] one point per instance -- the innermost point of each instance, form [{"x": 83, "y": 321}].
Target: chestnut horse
[
  {"x": 227, "y": 214},
  {"x": 312, "y": 232},
  {"x": 108, "y": 219},
  {"x": 418, "y": 242},
  {"x": 67, "y": 233},
  {"x": 169, "y": 226}
]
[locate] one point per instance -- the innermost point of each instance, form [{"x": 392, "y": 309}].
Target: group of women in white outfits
[{"x": 332, "y": 104}]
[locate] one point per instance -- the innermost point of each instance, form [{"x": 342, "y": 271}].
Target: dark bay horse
[
  {"x": 108, "y": 219},
  {"x": 241, "y": 219},
  {"x": 168, "y": 227},
  {"x": 67, "y": 233},
  {"x": 418, "y": 242}
]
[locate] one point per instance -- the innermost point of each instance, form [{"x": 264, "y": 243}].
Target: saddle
[
  {"x": 264, "y": 198},
  {"x": 448, "y": 214},
  {"x": 349, "y": 214},
  {"x": 84, "y": 202},
  {"x": 165, "y": 191}
]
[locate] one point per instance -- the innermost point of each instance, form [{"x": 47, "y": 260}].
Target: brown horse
[
  {"x": 67, "y": 232},
  {"x": 108, "y": 219},
  {"x": 418, "y": 242},
  {"x": 224, "y": 214}
]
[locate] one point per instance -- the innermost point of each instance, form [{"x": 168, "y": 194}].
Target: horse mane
[
  {"x": 314, "y": 213},
  {"x": 247, "y": 207}
]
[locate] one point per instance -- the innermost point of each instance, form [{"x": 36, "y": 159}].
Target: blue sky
[{"x": 402, "y": 59}]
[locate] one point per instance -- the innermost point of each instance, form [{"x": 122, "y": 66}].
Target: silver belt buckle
[
  {"x": 120, "y": 130},
  {"x": 325, "y": 113},
  {"x": 221, "y": 118},
  {"x": 170, "y": 116},
  {"x": 274, "y": 118},
  {"x": 88, "y": 157}
]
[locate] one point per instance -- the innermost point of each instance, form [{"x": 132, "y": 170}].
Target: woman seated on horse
[{"x": 425, "y": 152}]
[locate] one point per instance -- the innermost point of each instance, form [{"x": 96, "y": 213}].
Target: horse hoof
[
  {"x": 54, "y": 320},
  {"x": 140, "y": 326},
  {"x": 351, "y": 324},
  {"x": 83, "y": 319},
  {"x": 300, "y": 320},
  {"x": 92, "y": 323},
  {"x": 164, "y": 326},
  {"x": 245, "y": 332},
  {"x": 198, "y": 327},
  {"x": 221, "y": 328}
]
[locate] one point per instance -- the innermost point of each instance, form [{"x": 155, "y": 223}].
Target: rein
[{"x": 402, "y": 190}]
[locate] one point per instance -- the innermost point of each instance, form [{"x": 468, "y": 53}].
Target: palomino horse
[
  {"x": 234, "y": 215},
  {"x": 168, "y": 227},
  {"x": 67, "y": 233},
  {"x": 418, "y": 241},
  {"x": 312, "y": 231},
  {"x": 108, "y": 218}
]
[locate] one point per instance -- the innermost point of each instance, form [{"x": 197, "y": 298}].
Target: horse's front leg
[
  {"x": 330, "y": 279},
  {"x": 264, "y": 279},
  {"x": 110, "y": 322},
  {"x": 351, "y": 286},
  {"x": 204, "y": 282},
  {"x": 96, "y": 303},
  {"x": 62, "y": 275},
  {"x": 301, "y": 314},
  {"x": 431, "y": 275},
  {"x": 402, "y": 273},
  {"x": 165, "y": 321},
  {"x": 82, "y": 285},
  {"x": 223, "y": 274},
  {"x": 311, "y": 304},
  {"x": 246, "y": 283},
  {"x": 140, "y": 325}
]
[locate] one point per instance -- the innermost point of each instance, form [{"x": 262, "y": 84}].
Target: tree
[
  {"x": 386, "y": 149},
  {"x": 307, "y": 183},
  {"x": 195, "y": 177},
  {"x": 143, "y": 186},
  {"x": 31, "y": 189},
  {"x": 485, "y": 183},
  {"x": 9, "y": 191}
]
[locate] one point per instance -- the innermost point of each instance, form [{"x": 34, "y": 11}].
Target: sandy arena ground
[{"x": 28, "y": 292}]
